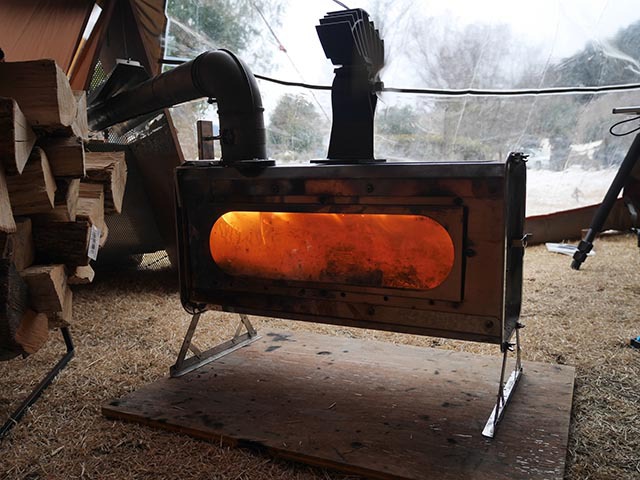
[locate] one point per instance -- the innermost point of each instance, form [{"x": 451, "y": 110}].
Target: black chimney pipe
[{"x": 218, "y": 75}]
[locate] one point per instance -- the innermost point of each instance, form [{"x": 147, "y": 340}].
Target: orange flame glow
[{"x": 374, "y": 250}]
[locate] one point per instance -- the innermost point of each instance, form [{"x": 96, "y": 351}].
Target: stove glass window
[{"x": 373, "y": 250}]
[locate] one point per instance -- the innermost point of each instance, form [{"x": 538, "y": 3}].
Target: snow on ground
[{"x": 549, "y": 191}]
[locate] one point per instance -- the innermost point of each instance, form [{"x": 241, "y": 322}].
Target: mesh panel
[
  {"x": 99, "y": 76},
  {"x": 134, "y": 241}
]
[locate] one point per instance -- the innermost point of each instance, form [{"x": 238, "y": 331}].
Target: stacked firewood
[{"x": 53, "y": 199}]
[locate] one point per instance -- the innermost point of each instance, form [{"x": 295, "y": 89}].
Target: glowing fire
[{"x": 395, "y": 251}]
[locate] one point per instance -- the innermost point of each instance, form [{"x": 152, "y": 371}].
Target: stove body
[{"x": 421, "y": 248}]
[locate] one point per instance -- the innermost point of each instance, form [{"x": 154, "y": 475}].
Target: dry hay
[{"x": 128, "y": 327}]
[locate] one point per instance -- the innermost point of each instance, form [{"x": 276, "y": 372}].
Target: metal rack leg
[
  {"x": 505, "y": 390},
  {"x": 185, "y": 365},
  {"x": 15, "y": 417}
]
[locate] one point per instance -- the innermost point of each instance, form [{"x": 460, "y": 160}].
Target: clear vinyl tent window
[
  {"x": 374, "y": 250},
  {"x": 442, "y": 45}
]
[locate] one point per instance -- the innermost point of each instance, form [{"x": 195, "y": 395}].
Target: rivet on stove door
[
  {"x": 275, "y": 188},
  {"x": 369, "y": 188}
]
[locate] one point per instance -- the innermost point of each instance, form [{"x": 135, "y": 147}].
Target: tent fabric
[
  {"x": 145, "y": 22},
  {"x": 123, "y": 39},
  {"x": 460, "y": 45},
  {"x": 151, "y": 22},
  {"x": 33, "y": 29},
  {"x": 569, "y": 224},
  {"x": 87, "y": 54}
]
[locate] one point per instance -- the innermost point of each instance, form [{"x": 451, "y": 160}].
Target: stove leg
[
  {"x": 505, "y": 390},
  {"x": 185, "y": 365},
  {"x": 15, "y": 417}
]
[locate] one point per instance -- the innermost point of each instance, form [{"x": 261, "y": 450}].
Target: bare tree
[{"x": 477, "y": 56}]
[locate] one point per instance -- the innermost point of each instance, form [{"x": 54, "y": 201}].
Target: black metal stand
[
  {"x": 46, "y": 381},
  {"x": 627, "y": 165}
]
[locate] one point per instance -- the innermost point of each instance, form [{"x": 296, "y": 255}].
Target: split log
[
  {"x": 23, "y": 251},
  {"x": 81, "y": 275},
  {"x": 70, "y": 193},
  {"x": 42, "y": 90},
  {"x": 7, "y": 222},
  {"x": 18, "y": 246},
  {"x": 104, "y": 234},
  {"x": 47, "y": 287},
  {"x": 58, "y": 242},
  {"x": 33, "y": 332},
  {"x": 109, "y": 169},
  {"x": 66, "y": 156},
  {"x": 91, "y": 204},
  {"x": 13, "y": 304},
  {"x": 6, "y": 244},
  {"x": 33, "y": 191},
  {"x": 63, "y": 318},
  {"x": 16, "y": 136},
  {"x": 80, "y": 126},
  {"x": 65, "y": 202}
]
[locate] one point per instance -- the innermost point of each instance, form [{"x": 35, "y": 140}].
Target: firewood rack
[{"x": 15, "y": 417}]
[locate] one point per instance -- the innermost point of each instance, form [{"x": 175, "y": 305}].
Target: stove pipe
[{"x": 218, "y": 75}]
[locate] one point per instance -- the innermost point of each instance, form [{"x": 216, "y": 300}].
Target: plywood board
[{"x": 369, "y": 408}]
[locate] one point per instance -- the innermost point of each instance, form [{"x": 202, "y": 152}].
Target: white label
[{"x": 94, "y": 242}]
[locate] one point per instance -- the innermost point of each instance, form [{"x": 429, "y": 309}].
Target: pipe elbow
[
  {"x": 236, "y": 88},
  {"x": 242, "y": 130}
]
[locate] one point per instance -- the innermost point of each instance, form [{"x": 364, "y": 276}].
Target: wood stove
[{"x": 422, "y": 248}]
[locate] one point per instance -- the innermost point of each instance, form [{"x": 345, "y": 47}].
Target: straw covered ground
[{"x": 128, "y": 327}]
